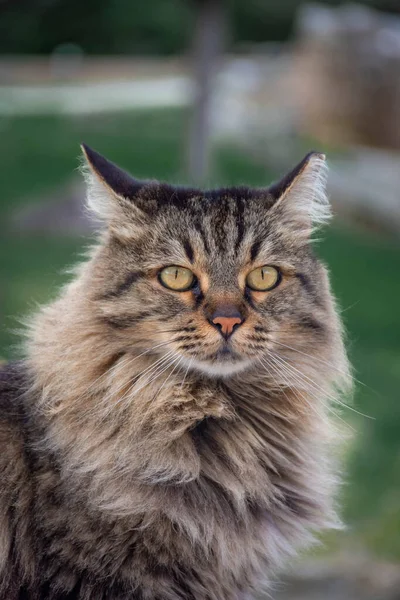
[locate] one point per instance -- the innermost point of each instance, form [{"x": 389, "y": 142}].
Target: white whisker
[
  {"x": 321, "y": 361},
  {"x": 177, "y": 361},
  {"x": 290, "y": 386},
  {"x": 319, "y": 388},
  {"x": 112, "y": 372},
  {"x": 186, "y": 372},
  {"x": 147, "y": 375},
  {"x": 307, "y": 390}
]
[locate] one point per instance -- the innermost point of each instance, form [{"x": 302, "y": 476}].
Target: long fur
[{"x": 138, "y": 464}]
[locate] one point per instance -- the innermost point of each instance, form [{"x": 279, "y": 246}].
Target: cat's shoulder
[
  {"x": 12, "y": 385},
  {"x": 12, "y": 411},
  {"x": 15, "y": 460}
]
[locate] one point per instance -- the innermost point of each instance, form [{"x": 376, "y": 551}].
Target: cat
[{"x": 169, "y": 434}]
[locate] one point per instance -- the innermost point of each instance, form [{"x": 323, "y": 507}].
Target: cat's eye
[
  {"x": 176, "y": 278},
  {"x": 263, "y": 279}
]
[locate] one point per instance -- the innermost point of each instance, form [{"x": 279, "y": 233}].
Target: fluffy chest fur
[{"x": 202, "y": 509}]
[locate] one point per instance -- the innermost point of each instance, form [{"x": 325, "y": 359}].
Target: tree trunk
[{"x": 208, "y": 45}]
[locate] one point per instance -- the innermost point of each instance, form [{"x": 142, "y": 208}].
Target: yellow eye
[
  {"x": 263, "y": 279},
  {"x": 175, "y": 278}
]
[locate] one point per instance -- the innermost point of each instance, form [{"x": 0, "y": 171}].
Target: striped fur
[{"x": 145, "y": 458}]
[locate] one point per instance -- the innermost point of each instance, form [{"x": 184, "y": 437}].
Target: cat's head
[{"x": 214, "y": 279}]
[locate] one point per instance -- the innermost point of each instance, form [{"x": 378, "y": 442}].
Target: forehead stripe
[
  {"x": 203, "y": 236},
  {"x": 240, "y": 223},
  {"x": 254, "y": 250},
  {"x": 189, "y": 250}
]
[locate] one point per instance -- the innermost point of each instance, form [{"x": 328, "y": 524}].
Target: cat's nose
[{"x": 226, "y": 319}]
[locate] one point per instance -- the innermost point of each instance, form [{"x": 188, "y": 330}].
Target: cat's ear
[
  {"x": 300, "y": 199},
  {"x": 112, "y": 193}
]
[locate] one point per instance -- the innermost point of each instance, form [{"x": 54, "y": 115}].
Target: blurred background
[{"x": 225, "y": 92}]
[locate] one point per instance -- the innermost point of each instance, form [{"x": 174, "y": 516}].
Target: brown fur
[{"x": 139, "y": 459}]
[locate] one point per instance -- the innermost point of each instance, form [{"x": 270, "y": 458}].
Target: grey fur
[{"x": 143, "y": 459}]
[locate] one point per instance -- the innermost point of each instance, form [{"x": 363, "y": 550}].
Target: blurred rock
[
  {"x": 364, "y": 186},
  {"x": 347, "y": 75}
]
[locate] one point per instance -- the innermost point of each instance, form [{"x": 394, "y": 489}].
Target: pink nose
[
  {"x": 226, "y": 318},
  {"x": 227, "y": 324}
]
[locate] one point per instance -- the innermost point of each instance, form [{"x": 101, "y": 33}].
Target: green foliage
[
  {"x": 134, "y": 27},
  {"x": 97, "y": 26},
  {"x": 363, "y": 269}
]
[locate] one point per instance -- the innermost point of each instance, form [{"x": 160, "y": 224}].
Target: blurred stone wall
[{"x": 347, "y": 75}]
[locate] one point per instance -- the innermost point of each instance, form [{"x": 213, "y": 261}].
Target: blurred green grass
[{"x": 40, "y": 153}]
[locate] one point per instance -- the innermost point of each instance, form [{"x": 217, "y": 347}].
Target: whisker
[
  {"x": 271, "y": 366},
  {"x": 178, "y": 330},
  {"x": 119, "y": 364},
  {"x": 116, "y": 367},
  {"x": 177, "y": 360},
  {"x": 342, "y": 310},
  {"x": 186, "y": 372},
  {"x": 150, "y": 371},
  {"x": 323, "y": 362},
  {"x": 304, "y": 398},
  {"x": 317, "y": 387},
  {"x": 310, "y": 405},
  {"x": 299, "y": 381},
  {"x": 290, "y": 386}
]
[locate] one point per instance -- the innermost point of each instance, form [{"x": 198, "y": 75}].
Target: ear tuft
[
  {"x": 301, "y": 195},
  {"x": 110, "y": 190},
  {"x": 120, "y": 182}
]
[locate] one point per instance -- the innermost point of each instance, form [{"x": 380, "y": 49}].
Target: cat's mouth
[
  {"x": 222, "y": 363},
  {"x": 226, "y": 353}
]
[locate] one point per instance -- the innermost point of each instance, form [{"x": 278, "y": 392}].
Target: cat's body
[{"x": 146, "y": 455}]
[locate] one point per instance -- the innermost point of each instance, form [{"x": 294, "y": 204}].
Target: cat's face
[{"x": 211, "y": 279}]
